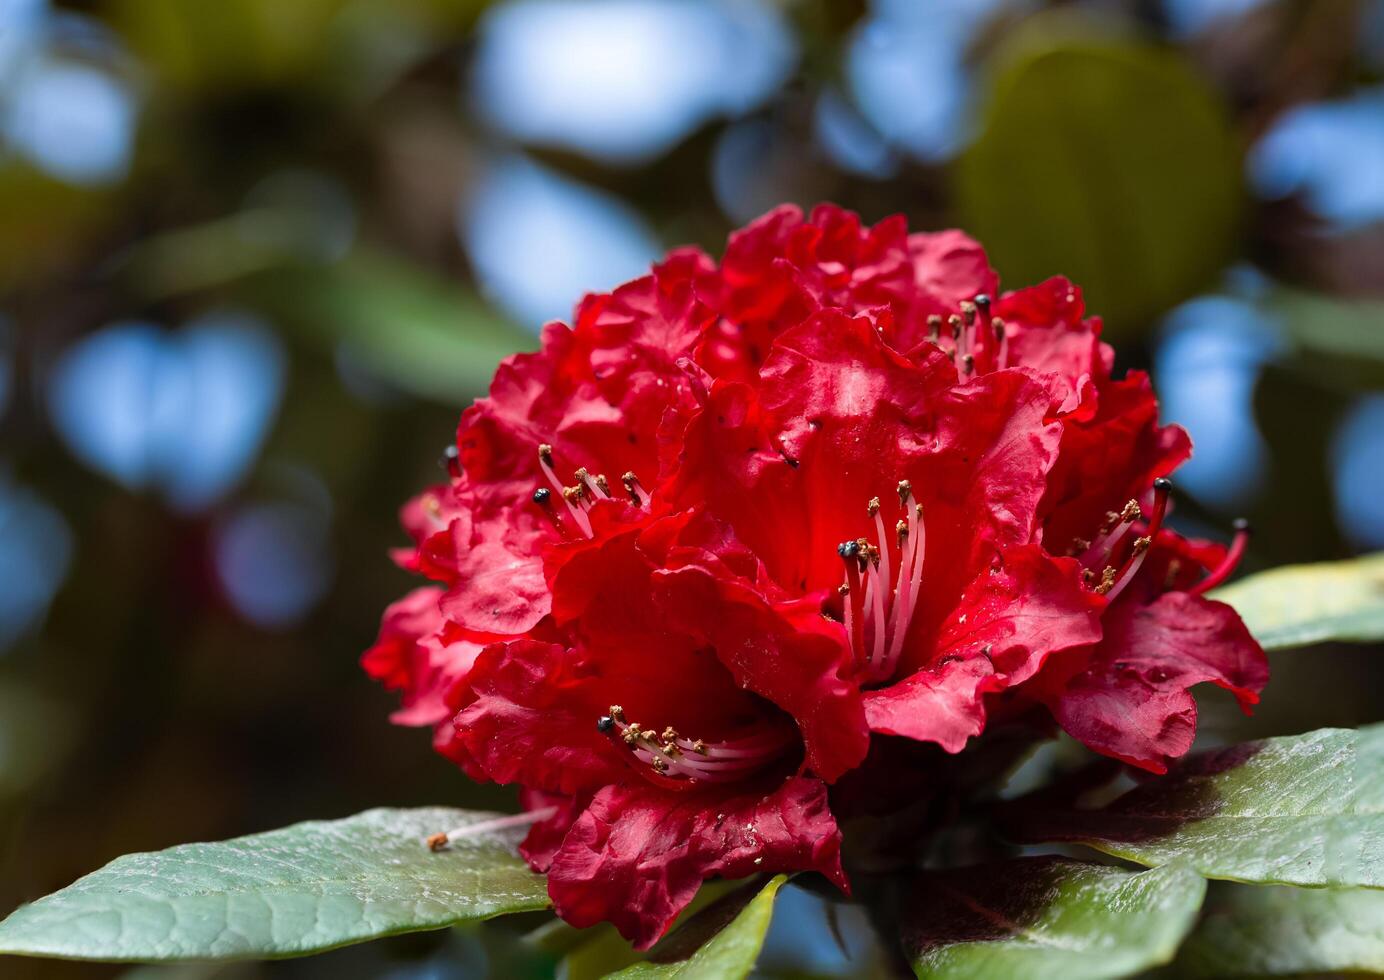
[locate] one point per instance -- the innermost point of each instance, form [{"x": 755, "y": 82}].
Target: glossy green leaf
[
  {"x": 1300, "y": 604},
  {"x": 1046, "y": 917},
  {"x": 302, "y": 889},
  {"x": 1305, "y": 810},
  {"x": 1108, "y": 161},
  {"x": 1274, "y": 931},
  {"x": 720, "y": 943}
]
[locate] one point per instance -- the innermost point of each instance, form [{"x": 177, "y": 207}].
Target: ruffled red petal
[
  {"x": 637, "y": 856},
  {"x": 1132, "y": 700}
]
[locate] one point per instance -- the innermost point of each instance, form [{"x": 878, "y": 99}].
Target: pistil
[{"x": 1232, "y": 558}]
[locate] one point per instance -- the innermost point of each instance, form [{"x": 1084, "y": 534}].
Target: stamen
[
  {"x": 877, "y": 621},
  {"x": 637, "y": 495},
  {"x": 906, "y": 592},
  {"x": 1112, "y": 531},
  {"x": 1162, "y": 490},
  {"x": 879, "y": 579},
  {"x": 671, "y": 755},
  {"x": 854, "y": 622},
  {"x": 934, "y": 327},
  {"x": 1227, "y": 565},
  {"x": 1002, "y": 338},
  {"x": 439, "y": 842},
  {"x": 592, "y": 488},
  {"x": 573, "y": 501}
]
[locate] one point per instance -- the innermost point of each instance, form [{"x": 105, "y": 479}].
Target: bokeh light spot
[
  {"x": 624, "y": 80},
  {"x": 1357, "y": 463},
  {"x": 1209, "y": 355},
  {"x": 539, "y": 241}
]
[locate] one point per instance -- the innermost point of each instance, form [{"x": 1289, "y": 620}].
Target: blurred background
[{"x": 255, "y": 255}]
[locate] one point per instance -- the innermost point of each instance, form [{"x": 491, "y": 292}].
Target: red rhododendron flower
[{"x": 741, "y": 515}]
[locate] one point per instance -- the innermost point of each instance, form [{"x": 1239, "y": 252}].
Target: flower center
[
  {"x": 668, "y": 754},
  {"x": 581, "y": 495},
  {"x": 879, "y": 602}
]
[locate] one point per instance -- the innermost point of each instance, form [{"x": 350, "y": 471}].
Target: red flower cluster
[{"x": 740, "y": 516}]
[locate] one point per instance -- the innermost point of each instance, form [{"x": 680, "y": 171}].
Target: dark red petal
[
  {"x": 637, "y": 856},
  {"x": 1133, "y": 702},
  {"x": 532, "y": 719},
  {"x": 544, "y": 838}
]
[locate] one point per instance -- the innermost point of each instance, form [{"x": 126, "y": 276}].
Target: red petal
[
  {"x": 784, "y": 652},
  {"x": 637, "y": 856},
  {"x": 533, "y": 716},
  {"x": 1132, "y": 702},
  {"x": 545, "y": 838},
  {"x": 1047, "y": 332},
  {"x": 409, "y": 656},
  {"x": 950, "y": 266}
]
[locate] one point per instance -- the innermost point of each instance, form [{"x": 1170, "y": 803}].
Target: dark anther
[
  {"x": 605, "y": 723},
  {"x": 982, "y": 301},
  {"x": 848, "y": 549},
  {"x": 1162, "y": 484},
  {"x": 1241, "y": 526},
  {"x": 541, "y": 496}
]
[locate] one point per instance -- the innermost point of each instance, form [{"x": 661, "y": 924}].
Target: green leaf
[
  {"x": 723, "y": 941},
  {"x": 407, "y": 326},
  {"x": 1337, "y": 340},
  {"x": 302, "y": 889},
  {"x": 1048, "y": 918},
  {"x": 1300, "y": 604},
  {"x": 1277, "y": 932},
  {"x": 1106, "y": 160},
  {"x": 1306, "y": 810}
]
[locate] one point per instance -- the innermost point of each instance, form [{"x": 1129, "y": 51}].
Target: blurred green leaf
[
  {"x": 720, "y": 943},
  {"x": 410, "y": 328},
  {"x": 45, "y": 221},
  {"x": 35, "y": 734},
  {"x": 303, "y": 889},
  {"x": 1302, "y": 810},
  {"x": 1338, "y": 340},
  {"x": 1105, "y": 160},
  {"x": 1300, "y": 604},
  {"x": 1277, "y": 932},
  {"x": 1048, "y": 918}
]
